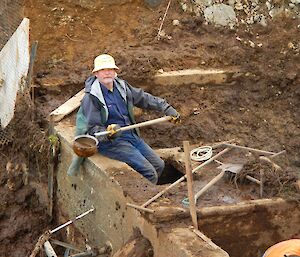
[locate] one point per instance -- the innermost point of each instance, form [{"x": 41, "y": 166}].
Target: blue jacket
[{"x": 93, "y": 112}]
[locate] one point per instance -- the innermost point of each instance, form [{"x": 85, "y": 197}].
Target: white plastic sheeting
[{"x": 14, "y": 64}]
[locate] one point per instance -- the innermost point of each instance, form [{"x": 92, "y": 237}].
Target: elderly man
[{"x": 108, "y": 105}]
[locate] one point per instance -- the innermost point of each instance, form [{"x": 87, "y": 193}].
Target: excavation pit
[{"x": 236, "y": 220}]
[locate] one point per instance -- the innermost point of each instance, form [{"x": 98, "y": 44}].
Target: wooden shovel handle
[
  {"x": 209, "y": 185},
  {"x": 146, "y": 123},
  {"x": 138, "y": 125}
]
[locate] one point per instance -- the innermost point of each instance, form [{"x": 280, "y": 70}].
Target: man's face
[{"x": 106, "y": 76}]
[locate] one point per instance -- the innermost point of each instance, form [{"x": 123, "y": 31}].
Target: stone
[
  {"x": 152, "y": 3},
  {"x": 175, "y": 22},
  {"x": 220, "y": 15},
  {"x": 263, "y": 21}
]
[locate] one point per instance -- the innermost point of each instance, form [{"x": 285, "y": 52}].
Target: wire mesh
[
  {"x": 5, "y": 137},
  {"x": 11, "y": 15}
]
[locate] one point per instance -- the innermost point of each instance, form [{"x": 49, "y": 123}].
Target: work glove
[
  {"x": 170, "y": 111},
  {"x": 114, "y": 131}
]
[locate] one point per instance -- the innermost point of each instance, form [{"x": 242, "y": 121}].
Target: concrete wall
[{"x": 14, "y": 63}]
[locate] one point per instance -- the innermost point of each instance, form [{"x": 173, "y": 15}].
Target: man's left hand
[{"x": 170, "y": 111}]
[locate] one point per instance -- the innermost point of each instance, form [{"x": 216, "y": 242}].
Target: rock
[
  {"x": 291, "y": 45},
  {"x": 298, "y": 184},
  {"x": 184, "y": 6},
  {"x": 291, "y": 75},
  {"x": 220, "y": 15},
  {"x": 239, "y": 6},
  {"x": 203, "y": 2},
  {"x": 93, "y": 4},
  {"x": 231, "y": 2},
  {"x": 175, "y": 22},
  {"x": 269, "y": 5},
  {"x": 263, "y": 21},
  {"x": 152, "y": 3},
  {"x": 252, "y": 44}
]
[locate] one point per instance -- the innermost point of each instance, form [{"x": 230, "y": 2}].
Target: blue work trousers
[{"x": 137, "y": 154}]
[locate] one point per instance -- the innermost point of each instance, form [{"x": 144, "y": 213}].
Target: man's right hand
[{"x": 114, "y": 131}]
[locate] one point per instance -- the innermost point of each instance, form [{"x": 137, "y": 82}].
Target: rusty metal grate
[{"x": 5, "y": 137}]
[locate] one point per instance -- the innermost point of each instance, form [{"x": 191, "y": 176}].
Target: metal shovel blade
[{"x": 231, "y": 167}]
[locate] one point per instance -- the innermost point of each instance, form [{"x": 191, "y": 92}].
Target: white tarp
[{"x": 14, "y": 64}]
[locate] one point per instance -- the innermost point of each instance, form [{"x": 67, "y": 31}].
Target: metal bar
[
  {"x": 49, "y": 249},
  {"x": 184, "y": 177},
  {"x": 253, "y": 179},
  {"x": 83, "y": 254},
  {"x": 261, "y": 189},
  {"x": 189, "y": 174},
  {"x": 71, "y": 221},
  {"x": 139, "y": 207},
  {"x": 65, "y": 245},
  {"x": 249, "y": 149},
  {"x": 279, "y": 153},
  {"x": 218, "y": 144}
]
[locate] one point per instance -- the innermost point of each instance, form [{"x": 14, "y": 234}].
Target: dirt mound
[
  {"x": 136, "y": 246},
  {"x": 277, "y": 181}
]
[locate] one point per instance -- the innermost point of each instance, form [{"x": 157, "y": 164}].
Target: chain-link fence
[{"x": 11, "y": 15}]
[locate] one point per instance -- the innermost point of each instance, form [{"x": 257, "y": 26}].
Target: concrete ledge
[{"x": 195, "y": 76}]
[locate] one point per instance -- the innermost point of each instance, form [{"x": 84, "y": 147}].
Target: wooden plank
[
  {"x": 206, "y": 239},
  {"x": 68, "y": 107},
  {"x": 189, "y": 175}
]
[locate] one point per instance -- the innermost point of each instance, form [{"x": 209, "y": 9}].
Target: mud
[
  {"x": 23, "y": 165},
  {"x": 259, "y": 109}
]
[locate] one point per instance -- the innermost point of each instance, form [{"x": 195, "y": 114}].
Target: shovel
[
  {"x": 86, "y": 145},
  {"x": 233, "y": 169},
  {"x": 229, "y": 168}
]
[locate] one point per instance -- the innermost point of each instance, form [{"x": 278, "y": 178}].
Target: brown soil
[{"x": 259, "y": 109}]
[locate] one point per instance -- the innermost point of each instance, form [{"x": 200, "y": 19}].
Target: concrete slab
[{"x": 195, "y": 76}]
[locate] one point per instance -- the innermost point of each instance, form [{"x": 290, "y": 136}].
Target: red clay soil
[{"x": 260, "y": 109}]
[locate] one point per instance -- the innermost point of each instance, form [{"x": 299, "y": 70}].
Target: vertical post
[
  {"x": 261, "y": 190},
  {"x": 30, "y": 71},
  {"x": 188, "y": 171}
]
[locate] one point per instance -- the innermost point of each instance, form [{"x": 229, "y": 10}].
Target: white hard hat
[{"x": 104, "y": 61}]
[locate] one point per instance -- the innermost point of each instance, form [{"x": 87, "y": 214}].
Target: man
[
  {"x": 108, "y": 105},
  {"x": 288, "y": 248}
]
